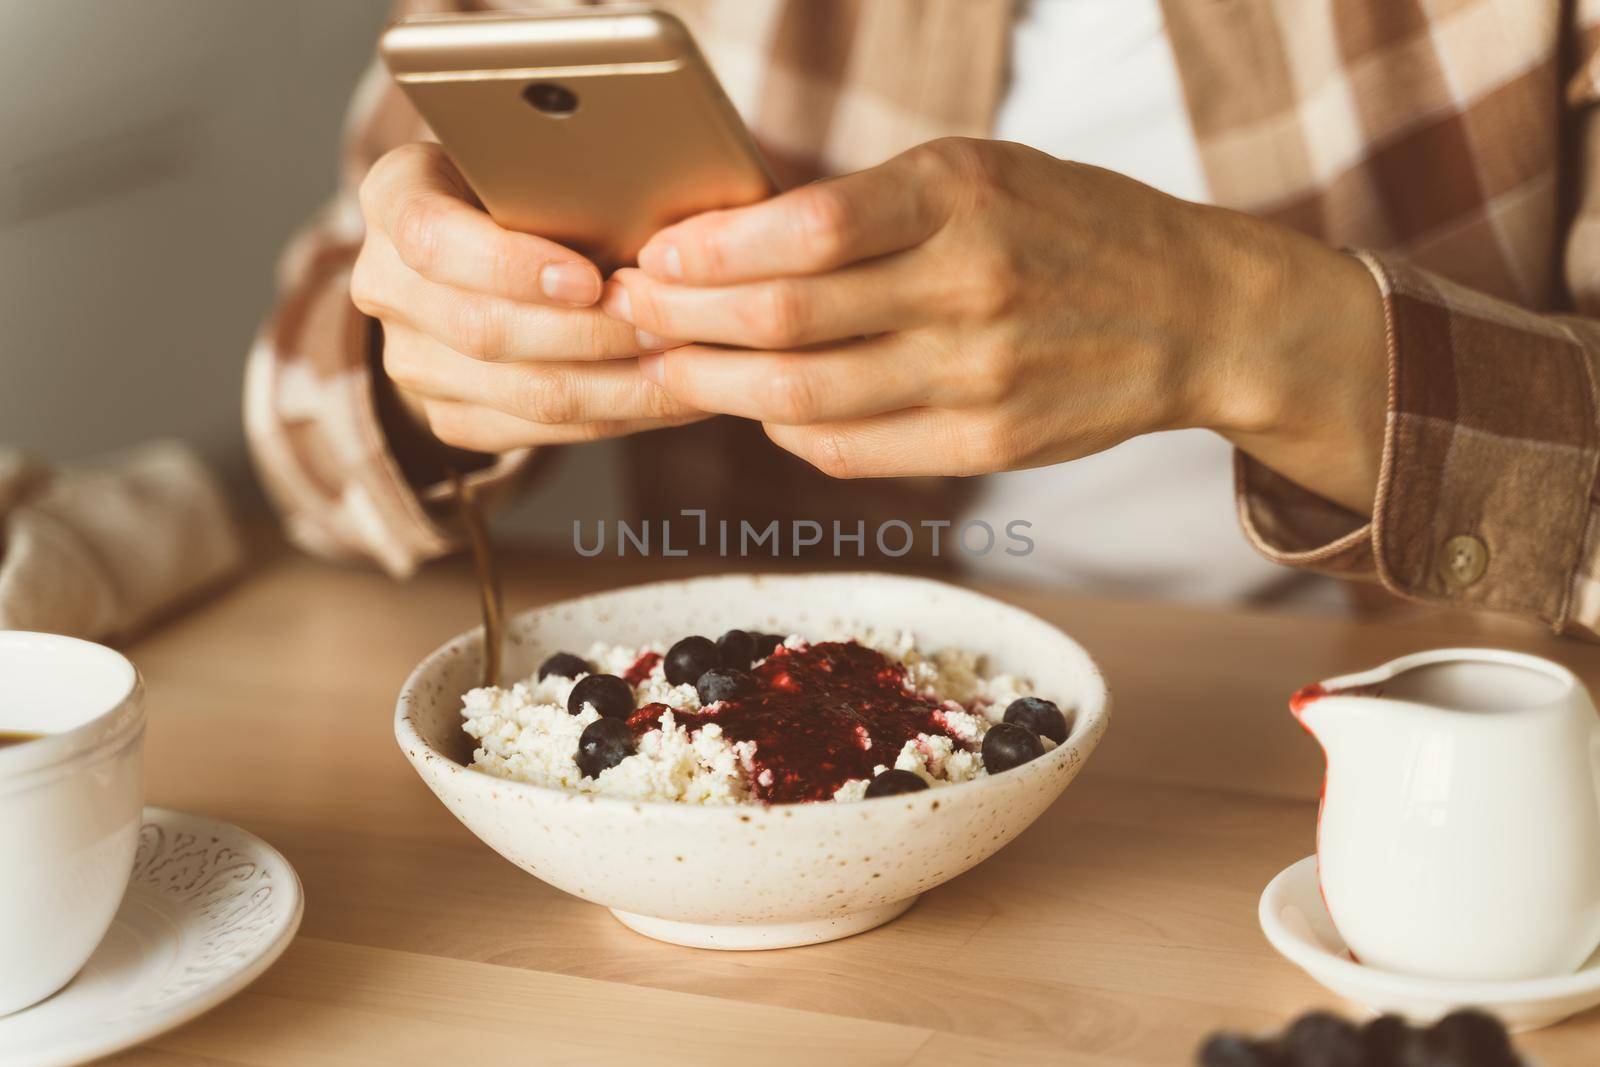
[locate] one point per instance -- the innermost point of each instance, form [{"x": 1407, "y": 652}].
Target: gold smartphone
[{"x": 594, "y": 127}]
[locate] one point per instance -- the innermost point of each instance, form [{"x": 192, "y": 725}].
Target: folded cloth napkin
[{"x": 99, "y": 549}]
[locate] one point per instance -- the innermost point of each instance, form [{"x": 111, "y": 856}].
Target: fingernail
[
  {"x": 570, "y": 283},
  {"x": 663, "y": 260},
  {"x": 650, "y": 366},
  {"x": 617, "y": 304},
  {"x": 651, "y": 343}
]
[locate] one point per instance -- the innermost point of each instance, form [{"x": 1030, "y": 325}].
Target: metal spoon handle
[{"x": 483, "y": 559}]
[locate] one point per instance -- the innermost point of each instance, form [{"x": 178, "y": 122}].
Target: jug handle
[{"x": 1594, "y": 760}]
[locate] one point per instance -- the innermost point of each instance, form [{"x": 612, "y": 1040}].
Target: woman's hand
[
  {"x": 975, "y": 306},
  {"x": 492, "y": 334}
]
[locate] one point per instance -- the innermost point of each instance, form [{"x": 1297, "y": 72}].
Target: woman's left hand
[{"x": 974, "y": 306}]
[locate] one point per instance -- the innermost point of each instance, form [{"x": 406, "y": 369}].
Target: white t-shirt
[{"x": 1095, "y": 81}]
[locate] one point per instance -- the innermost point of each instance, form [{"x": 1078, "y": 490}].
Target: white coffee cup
[{"x": 71, "y": 799}]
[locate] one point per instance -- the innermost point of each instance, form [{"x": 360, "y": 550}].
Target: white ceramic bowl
[
  {"x": 70, "y": 805},
  {"x": 746, "y": 876}
]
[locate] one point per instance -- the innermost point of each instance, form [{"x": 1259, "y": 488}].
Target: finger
[
  {"x": 416, "y": 195},
  {"x": 797, "y": 388},
  {"x": 815, "y": 228},
  {"x": 547, "y": 393},
  {"x": 915, "y": 442},
  {"x": 489, "y": 328},
  {"x": 885, "y": 294},
  {"x": 481, "y": 429}
]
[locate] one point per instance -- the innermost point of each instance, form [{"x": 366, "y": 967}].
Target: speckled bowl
[{"x": 745, "y": 876}]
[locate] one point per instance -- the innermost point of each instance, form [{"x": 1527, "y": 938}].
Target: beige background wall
[{"x": 156, "y": 154}]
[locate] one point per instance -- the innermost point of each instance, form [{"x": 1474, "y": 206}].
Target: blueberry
[
  {"x": 723, "y": 684},
  {"x": 689, "y": 659},
  {"x": 737, "y": 649},
  {"x": 894, "y": 782},
  {"x": 1040, "y": 716},
  {"x": 1388, "y": 1041},
  {"x": 1468, "y": 1038},
  {"x": 610, "y": 695},
  {"x": 1321, "y": 1039},
  {"x": 604, "y": 744},
  {"x": 564, "y": 665},
  {"x": 1008, "y": 745},
  {"x": 1232, "y": 1050},
  {"x": 765, "y": 644}
]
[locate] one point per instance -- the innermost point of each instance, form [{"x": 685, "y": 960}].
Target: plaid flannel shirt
[{"x": 1450, "y": 143}]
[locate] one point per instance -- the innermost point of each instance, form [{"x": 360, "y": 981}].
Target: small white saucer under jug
[{"x": 1459, "y": 835}]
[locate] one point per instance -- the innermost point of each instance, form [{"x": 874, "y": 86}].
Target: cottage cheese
[{"x": 526, "y": 734}]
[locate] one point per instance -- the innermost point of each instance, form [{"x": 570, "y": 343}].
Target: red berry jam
[
  {"x": 641, "y": 668},
  {"x": 819, "y": 717}
]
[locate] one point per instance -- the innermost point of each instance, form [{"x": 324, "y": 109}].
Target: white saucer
[
  {"x": 209, "y": 908},
  {"x": 1296, "y": 921}
]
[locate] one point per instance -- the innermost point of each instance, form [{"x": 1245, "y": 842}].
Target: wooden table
[{"x": 1120, "y": 929}]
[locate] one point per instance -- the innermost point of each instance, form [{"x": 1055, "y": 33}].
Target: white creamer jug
[{"x": 1459, "y": 834}]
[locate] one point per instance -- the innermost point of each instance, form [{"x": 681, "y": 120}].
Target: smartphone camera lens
[{"x": 550, "y": 98}]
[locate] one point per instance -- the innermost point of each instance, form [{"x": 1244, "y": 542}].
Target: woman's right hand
[{"x": 493, "y": 334}]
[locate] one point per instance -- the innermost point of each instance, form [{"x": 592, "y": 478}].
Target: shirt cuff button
[{"x": 1464, "y": 560}]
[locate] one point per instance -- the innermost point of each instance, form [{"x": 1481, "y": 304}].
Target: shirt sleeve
[
  {"x": 1487, "y": 492},
  {"x": 317, "y": 431}
]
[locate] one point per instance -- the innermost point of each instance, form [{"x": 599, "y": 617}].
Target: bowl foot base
[{"x": 751, "y": 936}]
